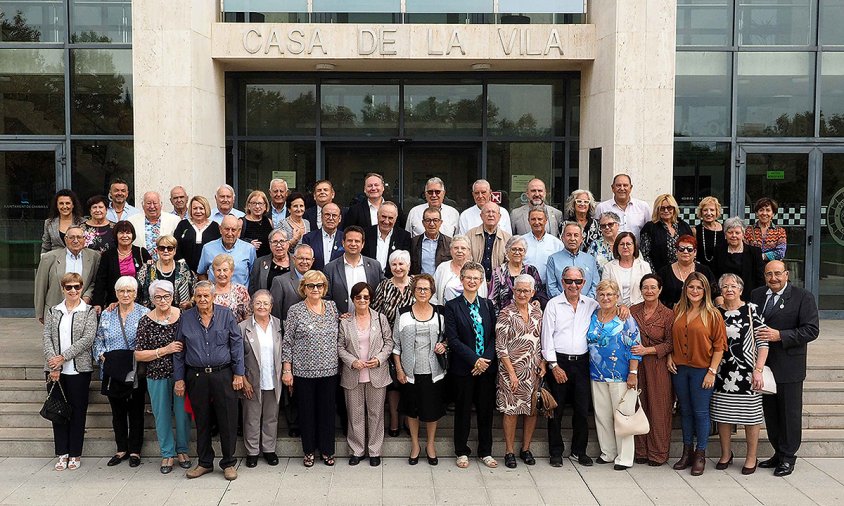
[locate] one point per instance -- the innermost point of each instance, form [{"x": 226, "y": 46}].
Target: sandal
[
  {"x": 489, "y": 462},
  {"x": 308, "y": 461},
  {"x": 328, "y": 460},
  {"x": 75, "y": 463},
  {"x": 510, "y": 460},
  {"x": 462, "y": 461},
  {"x": 61, "y": 464}
]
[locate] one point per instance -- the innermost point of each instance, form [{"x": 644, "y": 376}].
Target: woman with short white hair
[{"x": 447, "y": 276}]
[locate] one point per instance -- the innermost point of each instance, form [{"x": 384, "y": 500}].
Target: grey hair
[
  {"x": 435, "y": 180},
  {"x": 205, "y": 284},
  {"x": 479, "y": 182},
  {"x": 158, "y": 195},
  {"x": 124, "y": 282},
  {"x": 568, "y": 210},
  {"x": 733, "y": 222},
  {"x": 736, "y": 277},
  {"x": 302, "y": 246},
  {"x": 275, "y": 232},
  {"x": 262, "y": 291},
  {"x": 227, "y": 187},
  {"x": 512, "y": 242},
  {"x": 277, "y": 180},
  {"x": 461, "y": 238},
  {"x": 572, "y": 267},
  {"x": 538, "y": 208},
  {"x": 472, "y": 266},
  {"x": 160, "y": 284},
  {"x": 573, "y": 224},
  {"x": 390, "y": 203},
  {"x": 611, "y": 215},
  {"x": 399, "y": 254},
  {"x": 525, "y": 278}
]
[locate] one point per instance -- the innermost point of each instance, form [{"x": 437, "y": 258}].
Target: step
[
  {"x": 825, "y": 373},
  {"x": 823, "y": 392},
  {"x": 823, "y": 416}
]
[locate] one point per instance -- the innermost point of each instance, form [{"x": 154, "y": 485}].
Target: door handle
[{"x": 810, "y": 239}]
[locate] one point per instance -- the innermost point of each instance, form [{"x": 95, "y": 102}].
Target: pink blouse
[
  {"x": 127, "y": 266},
  {"x": 363, "y": 346}
]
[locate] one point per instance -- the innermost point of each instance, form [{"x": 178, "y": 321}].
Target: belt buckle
[
  {"x": 572, "y": 358},
  {"x": 209, "y": 370}
]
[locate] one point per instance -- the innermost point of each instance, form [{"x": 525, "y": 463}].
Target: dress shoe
[
  {"x": 197, "y": 471},
  {"x": 185, "y": 464},
  {"x": 393, "y": 432},
  {"x": 601, "y": 461},
  {"x": 166, "y": 466},
  {"x": 374, "y": 461},
  {"x": 413, "y": 460},
  {"x": 685, "y": 459},
  {"x": 134, "y": 461},
  {"x": 582, "y": 459},
  {"x": 117, "y": 459},
  {"x": 251, "y": 461},
  {"x": 527, "y": 457},
  {"x": 230, "y": 473},
  {"x": 654, "y": 463},
  {"x": 432, "y": 461},
  {"x": 750, "y": 470},
  {"x": 556, "y": 461},
  {"x": 771, "y": 463},
  {"x": 698, "y": 462},
  {"x": 510, "y": 460},
  {"x": 294, "y": 433},
  {"x": 640, "y": 460},
  {"x": 784, "y": 469},
  {"x": 724, "y": 465},
  {"x": 619, "y": 467},
  {"x": 271, "y": 458},
  {"x": 354, "y": 460}
]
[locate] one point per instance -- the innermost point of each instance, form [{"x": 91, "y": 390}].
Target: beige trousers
[
  {"x": 260, "y": 423},
  {"x": 606, "y": 397},
  {"x": 365, "y": 406}
]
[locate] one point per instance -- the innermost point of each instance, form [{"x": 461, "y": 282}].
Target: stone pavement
[{"x": 33, "y": 481}]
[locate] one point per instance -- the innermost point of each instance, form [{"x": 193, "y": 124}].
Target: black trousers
[
  {"x": 578, "y": 384},
  {"x": 480, "y": 391},
  {"x": 291, "y": 410},
  {"x": 783, "y": 419},
  {"x": 69, "y": 437},
  {"x": 127, "y": 419},
  {"x": 315, "y": 398},
  {"x": 213, "y": 393}
]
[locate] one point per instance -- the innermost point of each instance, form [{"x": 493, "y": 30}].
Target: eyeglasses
[
  {"x": 314, "y": 286},
  {"x": 166, "y": 248},
  {"x": 263, "y": 303},
  {"x": 278, "y": 242},
  {"x": 303, "y": 259},
  {"x": 577, "y": 282},
  {"x": 774, "y": 274},
  {"x": 72, "y": 288},
  {"x": 625, "y": 245},
  {"x": 522, "y": 291},
  {"x": 431, "y": 221},
  {"x": 433, "y": 192},
  {"x": 330, "y": 216},
  {"x": 607, "y": 225},
  {"x": 472, "y": 278},
  {"x": 361, "y": 297},
  {"x": 666, "y": 208},
  {"x": 422, "y": 289},
  {"x": 686, "y": 249},
  {"x": 581, "y": 202},
  {"x": 517, "y": 250},
  {"x": 729, "y": 287},
  {"x": 161, "y": 298}
]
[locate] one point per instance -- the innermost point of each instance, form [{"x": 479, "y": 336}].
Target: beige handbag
[
  {"x": 631, "y": 425},
  {"x": 769, "y": 383}
]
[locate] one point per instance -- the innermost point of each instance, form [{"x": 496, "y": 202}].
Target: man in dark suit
[
  {"x": 350, "y": 269},
  {"x": 429, "y": 250},
  {"x": 470, "y": 330},
  {"x": 365, "y": 213},
  {"x": 791, "y": 318},
  {"x": 382, "y": 239},
  {"x": 323, "y": 194},
  {"x": 326, "y": 242}
]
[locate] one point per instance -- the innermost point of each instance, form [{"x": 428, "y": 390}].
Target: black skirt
[{"x": 422, "y": 399}]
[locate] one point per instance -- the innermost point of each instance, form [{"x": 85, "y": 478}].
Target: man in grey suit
[
  {"x": 55, "y": 264},
  {"x": 536, "y": 197},
  {"x": 344, "y": 272}
]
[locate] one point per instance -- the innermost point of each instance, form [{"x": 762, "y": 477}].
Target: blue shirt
[
  {"x": 217, "y": 216},
  {"x": 609, "y": 348},
  {"x": 278, "y": 215},
  {"x": 538, "y": 252},
  {"x": 128, "y": 211},
  {"x": 242, "y": 252},
  {"x": 562, "y": 259},
  {"x": 429, "y": 255},
  {"x": 110, "y": 335},
  {"x": 217, "y": 345}
]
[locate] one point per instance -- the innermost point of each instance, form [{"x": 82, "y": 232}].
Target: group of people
[{"x": 303, "y": 307}]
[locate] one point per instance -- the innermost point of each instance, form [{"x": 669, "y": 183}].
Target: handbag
[
  {"x": 442, "y": 358},
  {"x": 769, "y": 382},
  {"x": 631, "y": 425},
  {"x": 542, "y": 402},
  {"x": 56, "y": 409},
  {"x": 117, "y": 387}
]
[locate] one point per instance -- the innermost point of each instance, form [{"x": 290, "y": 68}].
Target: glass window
[
  {"x": 831, "y": 296},
  {"x": 265, "y": 5},
  {"x": 574, "y": 106},
  {"x": 32, "y": 21},
  {"x": 541, "y": 6},
  {"x": 832, "y": 95},
  {"x": 701, "y": 169},
  {"x": 449, "y": 12},
  {"x": 346, "y": 166},
  {"x": 457, "y": 165},
  {"x": 776, "y": 22},
  {"x": 360, "y": 109},
  {"x": 96, "y": 163},
  {"x": 360, "y": 11},
  {"x": 704, "y": 22},
  {"x": 101, "y": 91},
  {"x": 101, "y": 21},
  {"x": 31, "y": 91},
  {"x": 510, "y": 165},
  {"x": 259, "y": 160},
  {"x": 279, "y": 109},
  {"x": 775, "y": 94},
  {"x": 831, "y": 21},
  {"x": 522, "y": 110},
  {"x": 443, "y": 109},
  {"x": 702, "y": 94}
]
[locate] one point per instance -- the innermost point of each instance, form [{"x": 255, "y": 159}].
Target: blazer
[
  {"x": 443, "y": 253},
  {"x": 187, "y": 248},
  {"x": 252, "y": 355},
  {"x": 460, "y": 333},
  {"x": 521, "y": 226},
  {"x": 109, "y": 272},
  {"x": 83, "y": 329},
  {"x": 613, "y": 271},
  {"x": 285, "y": 292},
  {"x": 796, "y": 317},
  {"x": 258, "y": 275},
  {"x": 358, "y": 214},
  {"x": 51, "y": 239},
  {"x": 380, "y": 347},
  {"x": 653, "y": 243},
  {"x": 48, "y": 277},
  {"x": 167, "y": 225},
  {"x": 477, "y": 243},
  {"x": 399, "y": 240},
  {"x": 314, "y": 240},
  {"x": 338, "y": 290}
]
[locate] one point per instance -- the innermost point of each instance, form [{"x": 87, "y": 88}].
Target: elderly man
[
  {"x": 634, "y": 213},
  {"x": 435, "y": 197},
  {"x": 229, "y": 242},
  {"x": 488, "y": 239},
  {"x": 540, "y": 244},
  {"x": 429, "y": 250},
  {"x": 536, "y": 195},
  {"x": 365, "y": 213},
  {"x": 564, "y": 325},
  {"x": 179, "y": 200},
  {"x": 278, "y": 200},
  {"x": 225, "y": 204},
  {"x": 471, "y": 217},
  {"x": 791, "y": 322},
  {"x": 75, "y": 257},
  {"x": 345, "y": 272},
  {"x": 211, "y": 366},
  {"x": 382, "y": 239},
  {"x": 572, "y": 255},
  {"x": 323, "y": 195},
  {"x": 151, "y": 225},
  {"x": 326, "y": 242},
  {"x": 118, "y": 208}
]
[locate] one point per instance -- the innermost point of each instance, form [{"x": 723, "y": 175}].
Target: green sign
[{"x": 776, "y": 174}]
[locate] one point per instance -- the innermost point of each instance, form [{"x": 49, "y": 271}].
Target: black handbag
[
  {"x": 56, "y": 409},
  {"x": 120, "y": 387},
  {"x": 442, "y": 358}
]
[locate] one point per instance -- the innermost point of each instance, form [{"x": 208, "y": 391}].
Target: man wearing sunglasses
[
  {"x": 75, "y": 257},
  {"x": 435, "y": 197},
  {"x": 572, "y": 256}
]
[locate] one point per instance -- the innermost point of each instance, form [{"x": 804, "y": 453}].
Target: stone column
[
  {"x": 627, "y": 94},
  {"x": 179, "y": 98}
]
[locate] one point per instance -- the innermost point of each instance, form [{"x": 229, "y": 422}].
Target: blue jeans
[
  {"x": 166, "y": 405},
  {"x": 694, "y": 404}
]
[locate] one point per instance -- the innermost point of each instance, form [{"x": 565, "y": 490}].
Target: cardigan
[{"x": 187, "y": 248}]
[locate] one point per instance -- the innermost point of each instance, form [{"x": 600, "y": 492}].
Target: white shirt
[
  {"x": 327, "y": 245},
  {"x": 633, "y": 218},
  {"x": 471, "y": 218},
  {"x": 778, "y": 296},
  {"x": 373, "y": 212},
  {"x": 450, "y": 218},
  {"x": 73, "y": 263},
  {"x": 382, "y": 251},
  {"x": 354, "y": 274},
  {"x": 265, "y": 341},
  {"x": 564, "y": 327},
  {"x": 66, "y": 333},
  {"x": 538, "y": 251}
]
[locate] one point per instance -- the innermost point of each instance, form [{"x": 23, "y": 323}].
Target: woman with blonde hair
[
  {"x": 195, "y": 231},
  {"x": 167, "y": 268},
  {"x": 658, "y": 238},
  {"x": 256, "y": 224},
  {"x": 709, "y": 232},
  {"x": 447, "y": 276},
  {"x": 580, "y": 206}
]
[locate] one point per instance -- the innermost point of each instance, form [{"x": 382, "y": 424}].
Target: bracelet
[
  {"x": 713, "y": 371},
  {"x": 759, "y": 370},
  {"x": 287, "y": 371},
  {"x": 634, "y": 372}
]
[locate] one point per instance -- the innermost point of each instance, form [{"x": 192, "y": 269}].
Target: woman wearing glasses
[
  {"x": 602, "y": 249},
  {"x": 673, "y": 276},
  {"x": 309, "y": 364},
  {"x": 267, "y": 267},
  {"x": 627, "y": 269},
  {"x": 580, "y": 206},
  {"x": 504, "y": 276},
  {"x": 256, "y": 224},
  {"x": 167, "y": 269},
  {"x": 658, "y": 238},
  {"x": 231, "y": 295}
]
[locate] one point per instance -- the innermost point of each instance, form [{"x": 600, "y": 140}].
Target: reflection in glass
[
  {"x": 449, "y": 12},
  {"x": 347, "y": 167},
  {"x": 443, "y": 109},
  {"x": 101, "y": 21},
  {"x": 702, "y": 96},
  {"x": 704, "y": 22},
  {"x": 831, "y": 21},
  {"x": 101, "y": 91},
  {"x": 32, "y": 21},
  {"x": 701, "y": 169},
  {"x": 832, "y": 94},
  {"x": 31, "y": 91},
  {"x": 831, "y": 290},
  {"x": 775, "y": 94},
  {"x": 522, "y": 109},
  {"x": 511, "y": 164},
  {"x": 280, "y": 109},
  {"x": 574, "y": 107},
  {"x": 776, "y": 22},
  {"x": 97, "y": 163},
  {"x": 360, "y": 109},
  {"x": 360, "y": 11},
  {"x": 458, "y": 166},
  {"x": 258, "y": 160}
]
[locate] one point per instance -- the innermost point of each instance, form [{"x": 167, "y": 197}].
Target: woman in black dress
[
  {"x": 256, "y": 224},
  {"x": 195, "y": 231},
  {"x": 709, "y": 232},
  {"x": 659, "y": 237},
  {"x": 674, "y": 275},
  {"x": 740, "y": 258}
]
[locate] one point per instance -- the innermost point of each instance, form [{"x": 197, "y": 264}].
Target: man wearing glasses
[
  {"x": 634, "y": 213},
  {"x": 429, "y": 250},
  {"x": 55, "y": 264},
  {"x": 327, "y": 241},
  {"x": 435, "y": 197},
  {"x": 572, "y": 255}
]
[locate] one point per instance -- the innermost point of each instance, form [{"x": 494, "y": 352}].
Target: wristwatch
[{"x": 552, "y": 365}]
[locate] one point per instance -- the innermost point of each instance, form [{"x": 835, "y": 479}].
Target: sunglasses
[
  {"x": 166, "y": 248},
  {"x": 433, "y": 192},
  {"x": 72, "y": 288},
  {"x": 607, "y": 225},
  {"x": 581, "y": 202},
  {"x": 577, "y": 282},
  {"x": 312, "y": 286},
  {"x": 666, "y": 208},
  {"x": 362, "y": 297},
  {"x": 686, "y": 249}
]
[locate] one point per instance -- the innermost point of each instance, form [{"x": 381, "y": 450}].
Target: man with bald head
[
  {"x": 536, "y": 194},
  {"x": 224, "y": 197},
  {"x": 229, "y": 243},
  {"x": 327, "y": 241},
  {"x": 471, "y": 217},
  {"x": 488, "y": 239},
  {"x": 152, "y": 224}
]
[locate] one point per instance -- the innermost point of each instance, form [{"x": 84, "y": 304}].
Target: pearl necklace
[{"x": 714, "y": 243}]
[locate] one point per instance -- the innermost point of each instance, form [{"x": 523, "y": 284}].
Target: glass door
[
  {"x": 831, "y": 258},
  {"x": 346, "y": 166}
]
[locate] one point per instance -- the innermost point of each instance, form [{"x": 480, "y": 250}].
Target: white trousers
[{"x": 606, "y": 397}]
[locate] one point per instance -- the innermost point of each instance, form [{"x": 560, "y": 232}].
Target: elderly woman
[
  {"x": 580, "y": 206},
  {"x": 156, "y": 345},
  {"x": 117, "y": 332},
  {"x": 602, "y": 249},
  {"x": 520, "y": 366},
  {"x": 503, "y": 277},
  {"x": 231, "y": 295},
  {"x": 673, "y": 276},
  {"x": 99, "y": 235},
  {"x": 764, "y": 234},
  {"x": 167, "y": 269},
  {"x": 699, "y": 339},
  {"x": 195, "y": 231},
  {"x": 736, "y": 398},
  {"x": 627, "y": 269},
  {"x": 69, "y": 330},
  {"x": 658, "y": 238},
  {"x": 740, "y": 258},
  {"x": 267, "y": 267},
  {"x": 655, "y": 322},
  {"x": 417, "y": 340},
  {"x": 310, "y": 360},
  {"x": 709, "y": 232},
  {"x": 447, "y": 275},
  {"x": 613, "y": 368},
  {"x": 295, "y": 225},
  {"x": 65, "y": 210},
  {"x": 365, "y": 345},
  {"x": 262, "y": 385},
  {"x": 256, "y": 224},
  {"x": 123, "y": 260}
]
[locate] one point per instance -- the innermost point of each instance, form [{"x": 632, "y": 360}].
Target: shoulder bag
[
  {"x": 631, "y": 425},
  {"x": 542, "y": 402},
  {"x": 56, "y": 409},
  {"x": 769, "y": 382}
]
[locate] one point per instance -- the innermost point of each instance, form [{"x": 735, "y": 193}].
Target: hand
[
  {"x": 672, "y": 368},
  {"x": 535, "y": 303},
  {"x": 247, "y": 389},
  {"x": 623, "y": 312},
  {"x": 287, "y": 379},
  {"x": 256, "y": 243},
  {"x": 559, "y": 374},
  {"x": 237, "y": 382},
  {"x": 632, "y": 381},
  {"x": 102, "y": 358},
  {"x": 56, "y": 362},
  {"x": 401, "y": 376},
  {"x": 98, "y": 309},
  {"x": 769, "y": 334},
  {"x": 372, "y": 363},
  {"x": 514, "y": 382},
  {"x": 54, "y": 375},
  {"x": 179, "y": 388},
  {"x": 640, "y": 350},
  {"x": 174, "y": 347},
  {"x": 480, "y": 366},
  {"x": 358, "y": 364},
  {"x": 542, "y": 370},
  {"x": 708, "y": 380},
  {"x": 345, "y": 316},
  {"x": 758, "y": 383},
  {"x": 439, "y": 349},
  {"x": 111, "y": 306},
  {"x": 719, "y": 300}
]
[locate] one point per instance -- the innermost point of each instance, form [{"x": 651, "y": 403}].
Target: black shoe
[
  {"x": 527, "y": 457},
  {"x": 432, "y": 461},
  {"x": 393, "y": 432},
  {"x": 770, "y": 463},
  {"x": 619, "y": 467},
  {"x": 556, "y": 461},
  {"x": 582, "y": 459},
  {"x": 413, "y": 460},
  {"x": 784, "y": 469},
  {"x": 354, "y": 460},
  {"x": 640, "y": 460},
  {"x": 117, "y": 459},
  {"x": 724, "y": 465},
  {"x": 601, "y": 461},
  {"x": 134, "y": 461},
  {"x": 271, "y": 458},
  {"x": 185, "y": 464},
  {"x": 251, "y": 461},
  {"x": 374, "y": 461},
  {"x": 510, "y": 460},
  {"x": 294, "y": 433},
  {"x": 165, "y": 469}
]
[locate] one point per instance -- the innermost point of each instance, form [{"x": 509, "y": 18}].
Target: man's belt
[{"x": 210, "y": 369}]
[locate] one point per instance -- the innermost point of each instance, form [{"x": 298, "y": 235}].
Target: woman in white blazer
[{"x": 627, "y": 269}]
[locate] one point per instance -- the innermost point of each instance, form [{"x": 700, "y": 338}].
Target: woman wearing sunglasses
[
  {"x": 674, "y": 275},
  {"x": 659, "y": 237},
  {"x": 167, "y": 269}
]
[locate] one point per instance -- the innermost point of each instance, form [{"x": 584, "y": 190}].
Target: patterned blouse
[
  {"x": 238, "y": 300},
  {"x": 602, "y": 251},
  {"x": 99, "y": 238},
  {"x": 772, "y": 242},
  {"x": 153, "y": 335},
  {"x": 110, "y": 335},
  {"x": 310, "y": 340},
  {"x": 288, "y": 227},
  {"x": 501, "y": 286},
  {"x": 182, "y": 277},
  {"x": 609, "y": 348},
  {"x": 388, "y": 299}
]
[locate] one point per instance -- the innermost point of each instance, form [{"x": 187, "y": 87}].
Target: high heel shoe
[
  {"x": 724, "y": 465},
  {"x": 749, "y": 470},
  {"x": 393, "y": 432},
  {"x": 414, "y": 460}
]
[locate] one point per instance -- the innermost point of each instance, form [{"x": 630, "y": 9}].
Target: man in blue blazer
[
  {"x": 353, "y": 264},
  {"x": 470, "y": 330},
  {"x": 327, "y": 242}
]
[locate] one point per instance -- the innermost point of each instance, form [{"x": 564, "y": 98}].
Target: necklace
[
  {"x": 714, "y": 244},
  {"x": 159, "y": 319}
]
